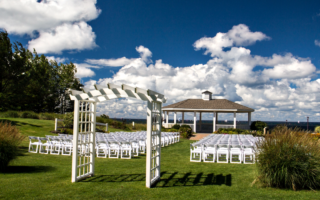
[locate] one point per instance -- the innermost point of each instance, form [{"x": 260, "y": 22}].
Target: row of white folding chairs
[
  {"x": 52, "y": 144},
  {"x": 222, "y": 153},
  {"x": 123, "y": 150},
  {"x": 167, "y": 138}
]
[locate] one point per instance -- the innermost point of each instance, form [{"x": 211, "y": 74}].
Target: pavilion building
[{"x": 207, "y": 105}]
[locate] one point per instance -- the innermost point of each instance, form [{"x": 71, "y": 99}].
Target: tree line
[{"x": 29, "y": 81}]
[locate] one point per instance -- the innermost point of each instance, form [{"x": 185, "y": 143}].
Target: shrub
[
  {"x": 10, "y": 114},
  {"x": 289, "y": 158},
  {"x": 317, "y": 129},
  {"x": 67, "y": 131},
  {"x": 176, "y": 126},
  {"x": 68, "y": 120},
  {"x": 258, "y": 125},
  {"x": 29, "y": 114},
  {"x": 10, "y": 138},
  {"x": 185, "y": 131},
  {"x": 104, "y": 116},
  {"x": 104, "y": 120},
  {"x": 48, "y": 116},
  {"x": 233, "y": 131}
]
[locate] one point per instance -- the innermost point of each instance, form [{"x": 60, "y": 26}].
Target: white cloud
[
  {"x": 283, "y": 88},
  {"x": 26, "y": 16},
  {"x": 83, "y": 70},
  {"x": 55, "y": 25},
  {"x": 65, "y": 37},
  {"x": 119, "y": 62},
  {"x": 145, "y": 54},
  {"x": 241, "y": 35},
  {"x": 317, "y": 43},
  {"x": 57, "y": 59}
]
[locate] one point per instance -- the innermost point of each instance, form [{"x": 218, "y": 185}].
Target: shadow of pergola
[{"x": 168, "y": 179}]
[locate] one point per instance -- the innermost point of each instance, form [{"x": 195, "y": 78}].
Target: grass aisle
[{"x": 38, "y": 176}]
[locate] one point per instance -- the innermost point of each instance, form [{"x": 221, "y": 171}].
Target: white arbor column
[
  {"x": 153, "y": 143},
  {"x": 195, "y": 122},
  {"x": 175, "y": 118},
  {"x": 214, "y": 121},
  {"x": 84, "y": 126},
  {"x": 249, "y": 119},
  {"x": 234, "y": 120}
]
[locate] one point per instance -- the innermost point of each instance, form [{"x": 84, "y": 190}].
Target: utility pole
[{"x": 307, "y": 123}]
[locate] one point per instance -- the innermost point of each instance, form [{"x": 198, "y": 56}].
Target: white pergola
[
  {"x": 85, "y": 124},
  {"x": 207, "y": 105}
]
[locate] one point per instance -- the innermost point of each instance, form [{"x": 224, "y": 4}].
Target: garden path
[{"x": 199, "y": 136}]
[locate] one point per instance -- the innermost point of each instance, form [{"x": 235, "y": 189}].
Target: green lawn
[{"x": 38, "y": 176}]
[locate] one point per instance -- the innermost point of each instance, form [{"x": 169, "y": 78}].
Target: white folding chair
[
  {"x": 135, "y": 148},
  {"x": 102, "y": 149},
  {"x": 142, "y": 144},
  {"x": 236, "y": 154},
  {"x": 114, "y": 150},
  {"x": 45, "y": 146},
  {"x": 222, "y": 153},
  {"x": 67, "y": 147},
  {"x": 248, "y": 155},
  {"x": 56, "y": 146},
  {"x": 34, "y": 142},
  {"x": 209, "y": 153},
  {"x": 126, "y": 150},
  {"x": 195, "y": 153}
]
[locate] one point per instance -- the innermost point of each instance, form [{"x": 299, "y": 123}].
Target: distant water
[{"x": 271, "y": 124}]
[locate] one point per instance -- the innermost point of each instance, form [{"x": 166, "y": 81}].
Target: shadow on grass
[
  {"x": 168, "y": 179},
  {"x": 16, "y": 123},
  {"x": 177, "y": 179},
  {"x": 116, "y": 178},
  {"x": 22, "y": 151},
  {"x": 27, "y": 169}
]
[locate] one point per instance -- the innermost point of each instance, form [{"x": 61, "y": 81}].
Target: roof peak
[{"x": 206, "y": 92}]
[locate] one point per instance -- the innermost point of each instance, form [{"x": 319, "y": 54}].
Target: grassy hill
[{"x": 39, "y": 176}]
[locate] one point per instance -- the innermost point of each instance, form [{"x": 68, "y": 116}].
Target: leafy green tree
[
  {"x": 258, "y": 125},
  {"x": 14, "y": 72},
  {"x": 31, "y": 82}
]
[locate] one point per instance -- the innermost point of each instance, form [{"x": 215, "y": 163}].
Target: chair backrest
[
  {"x": 33, "y": 138},
  {"x": 43, "y": 139}
]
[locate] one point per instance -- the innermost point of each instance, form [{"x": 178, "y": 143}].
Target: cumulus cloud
[
  {"x": 283, "y": 87},
  {"x": 57, "y": 59},
  {"x": 83, "y": 70},
  {"x": 317, "y": 43},
  {"x": 65, "y": 37},
  {"x": 145, "y": 57},
  {"x": 239, "y": 35},
  {"x": 55, "y": 25},
  {"x": 119, "y": 62},
  {"x": 145, "y": 54},
  {"x": 31, "y": 15}
]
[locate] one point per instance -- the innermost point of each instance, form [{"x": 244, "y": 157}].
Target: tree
[
  {"x": 31, "y": 82},
  {"x": 258, "y": 125},
  {"x": 14, "y": 72}
]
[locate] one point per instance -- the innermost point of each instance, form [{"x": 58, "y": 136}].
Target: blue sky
[{"x": 262, "y": 54}]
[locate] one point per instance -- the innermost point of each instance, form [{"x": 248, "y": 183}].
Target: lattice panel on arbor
[
  {"x": 84, "y": 140},
  {"x": 155, "y": 148}
]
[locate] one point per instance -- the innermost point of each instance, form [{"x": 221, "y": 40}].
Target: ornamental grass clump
[
  {"x": 289, "y": 158},
  {"x": 10, "y": 138}
]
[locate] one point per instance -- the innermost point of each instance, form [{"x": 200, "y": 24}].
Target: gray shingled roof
[{"x": 213, "y": 104}]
